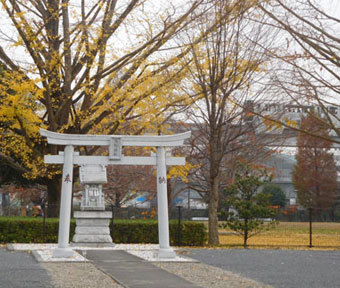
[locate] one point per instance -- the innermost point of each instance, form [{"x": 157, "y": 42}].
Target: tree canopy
[
  {"x": 81, "y": 67},
  {"x": 307, "y": 63},
  {"x": 86, "y": 70},
  {"x": 315, "y": 173},
  {"x": 277, "y": 196}
]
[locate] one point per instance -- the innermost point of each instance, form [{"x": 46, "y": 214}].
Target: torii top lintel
[{"x": 104, "y": 140}]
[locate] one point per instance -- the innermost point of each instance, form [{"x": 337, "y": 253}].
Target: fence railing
[
  {"x": 119, "y": 212},
  {"x": 290, "y": 214},
  {"x": 291, "y": 232}
]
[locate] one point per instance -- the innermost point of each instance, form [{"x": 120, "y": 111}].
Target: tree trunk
[
  {"x": 168, "y": 187},
  {"x": 245, "y": 239},
  {"x": 310, "y": 227},
  {"x": 214, "y": 185},
  {"x": 117, "y": 200},
  {"x": 213, "y": 219},
  {"x": 53, "y": 197}
]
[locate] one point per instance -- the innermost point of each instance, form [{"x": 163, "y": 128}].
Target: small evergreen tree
[
  {"x": 250, "y": 206},
  {"x": 277, "y": 196}
]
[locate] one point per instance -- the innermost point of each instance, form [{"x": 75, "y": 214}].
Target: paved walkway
[
  {"x": 19, "y": 269},
  {"x": 133, "y": 272},
  {"x": 279, "y": 268}
]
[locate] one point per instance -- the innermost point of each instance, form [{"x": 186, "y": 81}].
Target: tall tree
[
  {"x": 88, "y": 68},
  {"x": 315, "y": 174},
  {"x": 222, "y": 70}
]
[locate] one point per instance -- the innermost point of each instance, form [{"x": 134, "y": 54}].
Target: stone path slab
[
  {"x": 44, "y": 252},
  {"x": 133, "y": 272},
  {"x": 18, "y": 269}
]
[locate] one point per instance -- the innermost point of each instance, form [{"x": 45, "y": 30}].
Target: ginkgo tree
[
  {"x": 224, "y": 70},
  {"x": 87, "y": 67}
]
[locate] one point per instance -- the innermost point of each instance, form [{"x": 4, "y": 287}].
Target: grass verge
[{"x": 289, "y": 235}]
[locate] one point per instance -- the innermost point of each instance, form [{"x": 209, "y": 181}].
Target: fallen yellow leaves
[{"x": 292, "y": 235}]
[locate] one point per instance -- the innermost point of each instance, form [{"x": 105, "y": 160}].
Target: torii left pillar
[{"x": 63, "y": 250}]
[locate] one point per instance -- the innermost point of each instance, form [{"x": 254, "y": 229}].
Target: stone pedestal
[{"x": 92, "y": 229}]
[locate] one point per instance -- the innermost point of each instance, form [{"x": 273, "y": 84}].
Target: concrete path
[
  {"x": 19, "y": 269},
  {"x": 279, "y": 268},
  {"x": 133, "y": 272}
]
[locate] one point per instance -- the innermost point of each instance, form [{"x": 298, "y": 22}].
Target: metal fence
[
  {"x": 292, "y": 214},
  {"x": 28, "y": 210},
  {"x": 291, "y": 231},
  {"x": 119, "y": 212},
  {"x": 286, "y": 215}
]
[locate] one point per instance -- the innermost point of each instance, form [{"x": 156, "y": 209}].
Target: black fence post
[
  {"x": 310, "y": 209},
  {"x": 179, "y": 229},
  {"x": 112, "y": 218},
  {"x": 43, "y": 208}
]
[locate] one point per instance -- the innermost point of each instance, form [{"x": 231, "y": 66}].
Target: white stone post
[
  {"x": 63, "y": 249},
  {"x": 165, "y": 251}
]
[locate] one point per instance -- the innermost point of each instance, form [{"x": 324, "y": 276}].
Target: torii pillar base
[
  {"x": 62, "y": 253},
  {"x": 165, "y": 253}
]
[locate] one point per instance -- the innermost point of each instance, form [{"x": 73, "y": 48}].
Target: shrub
[
  {"x": 277, "y": 196},
  {"x": 30, "y": 230}
]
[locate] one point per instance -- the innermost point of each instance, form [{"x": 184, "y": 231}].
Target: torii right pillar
[{"x": 165, "y": 251}]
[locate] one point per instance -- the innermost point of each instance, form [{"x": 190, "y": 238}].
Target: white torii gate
[{"x": 115, "y": 157}]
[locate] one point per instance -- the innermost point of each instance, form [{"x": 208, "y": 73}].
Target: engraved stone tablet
[
  {"x": 115, "y": 148},
  {"x": 95, "y": 174}
]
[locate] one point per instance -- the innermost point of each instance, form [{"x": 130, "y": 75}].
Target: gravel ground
[
  {"x": 78, "y": 275},
  {"x": 30, "y": 274},
  {"x": 208, "y": 276},
  {"x": 83, "y": 275},
  {"x": 219, "y": 268}
]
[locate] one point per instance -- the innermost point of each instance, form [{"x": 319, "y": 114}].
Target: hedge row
[{"x": 31, "y": 230}]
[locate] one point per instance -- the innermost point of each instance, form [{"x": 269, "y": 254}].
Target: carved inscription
[{"x": 67, "y": 178}]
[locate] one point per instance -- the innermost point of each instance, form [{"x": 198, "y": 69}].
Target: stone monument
[{"x": 92, "y": 222}]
